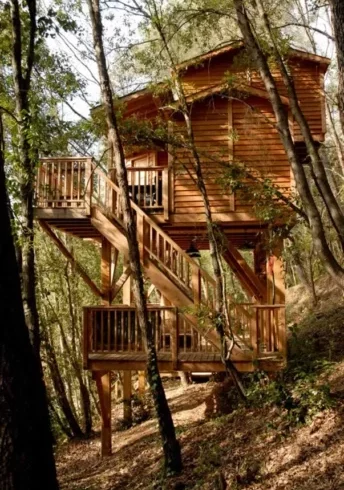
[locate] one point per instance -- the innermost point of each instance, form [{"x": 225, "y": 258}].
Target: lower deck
[{"x": 195, "y": 362}]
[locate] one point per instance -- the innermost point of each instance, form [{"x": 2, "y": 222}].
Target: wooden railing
[
  {"x": 115, "y": 329},
  {"x": 62, "y": 182},
  {"x": 74, "y": 182},
  {"x": 271, "y": 330},
  {"x": 149, "y": 187}
]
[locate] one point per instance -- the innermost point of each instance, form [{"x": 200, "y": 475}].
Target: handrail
[
  {"x": 77, "y": 184},
  {"x": 195, "y": 279},
  {"x": 136, "y": 169},
  {"x": 114, "y": 329}
]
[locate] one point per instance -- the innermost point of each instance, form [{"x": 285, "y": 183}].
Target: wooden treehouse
[{"x": 233, "y": 123}]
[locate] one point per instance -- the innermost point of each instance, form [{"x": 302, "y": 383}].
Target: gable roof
[
  {"x": 146, "y": 95},
  {"x": 238, "y": 45},
  {"x": 238, "y": 88}
]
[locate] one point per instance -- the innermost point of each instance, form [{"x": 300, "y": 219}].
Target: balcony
[
  {"x": 113, "y": 338},
  {"x": 77, "y": 184}
]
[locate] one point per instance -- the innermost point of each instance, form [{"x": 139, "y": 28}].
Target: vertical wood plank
[
  {"x": 103, "y": 382},
  {"x": 165, "y": 193},
  {"x": 88, "y": 190},
  {"x": 231, "y": 147},
  {"x": 106, "y": 271},
  {"x": 127, "y": 412},
  {"x": 142, "y": 383}
]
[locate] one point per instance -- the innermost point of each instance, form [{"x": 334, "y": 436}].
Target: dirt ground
[
  {"x": 225, "y": 447},
  {"x": 246, "y": 449}
]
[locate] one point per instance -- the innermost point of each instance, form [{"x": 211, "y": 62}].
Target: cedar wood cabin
[{"x": 233, "y": 123}]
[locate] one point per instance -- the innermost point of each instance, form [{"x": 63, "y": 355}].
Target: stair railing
[{"x": 158, "y": 247}]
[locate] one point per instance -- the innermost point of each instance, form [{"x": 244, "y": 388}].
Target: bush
[{"x": 301, "y": 397}]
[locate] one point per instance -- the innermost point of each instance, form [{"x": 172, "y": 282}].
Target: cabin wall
[
  {"x": 308, "y": 79},
  {"x": 257, "y": 145},
  {"x": 211, "y": 131},
  {"x": 226, "y": 130}
]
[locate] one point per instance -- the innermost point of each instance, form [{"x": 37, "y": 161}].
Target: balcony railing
[
  {"x": 115, "y": 330},
  {"x": 62, "y": 182},
  {"x": 77, "y": 183}
]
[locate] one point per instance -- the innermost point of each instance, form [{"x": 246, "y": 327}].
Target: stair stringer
[{"x": 115, "y": 234}]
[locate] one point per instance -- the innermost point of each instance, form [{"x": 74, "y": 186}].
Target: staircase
[{"x": 187, "y": 286}]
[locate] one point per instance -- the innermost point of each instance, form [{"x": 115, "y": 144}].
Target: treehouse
[{"x": 239, "y": 148}]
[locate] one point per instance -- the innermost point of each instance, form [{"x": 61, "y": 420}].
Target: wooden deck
[{"x": 189, "y": 362}]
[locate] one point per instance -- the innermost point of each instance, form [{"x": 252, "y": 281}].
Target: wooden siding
[
  {"x": 308, "y": 79},
  {"x": 257, "y": 145},
  {"x": 210, "y": 124}
]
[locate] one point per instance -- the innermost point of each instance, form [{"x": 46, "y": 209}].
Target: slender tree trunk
[
  {"x": 319, "y": 174},
  {"x": 26, "y": 456},
  {"x": 303, "y": 188},
  {"x": 60, "y": 390},
  {"x": 170, "y": 444},
  {"x": 215, "y": 237},
  {"x": 337, "y": 9},
  {"x": 22, "y": 70},
  {"x": 337, "y": 142}
]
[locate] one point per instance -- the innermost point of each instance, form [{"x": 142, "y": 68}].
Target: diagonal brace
[
  {"x": 70, "y": 257},
  {"x": 244, "y": 273},
  {"x": 120, "y": 283}
]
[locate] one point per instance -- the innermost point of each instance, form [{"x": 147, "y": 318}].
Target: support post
[
  {"x": 89, "y": 186},
  {"x": 103, "y": 381},
  {"x": 127, "y": 412},
  {"x": 165, "y": 189},
  {"x": 127, "y": 286},
  {"x": 106, "y": 271},
  {"x": 142, "y": 383},
  {"x": 276, "y": 293},
  {"x": 142, "y": 235},
  {"x": 196, "y": 283}
]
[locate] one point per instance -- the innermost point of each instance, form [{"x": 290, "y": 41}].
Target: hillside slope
[{"x": 289, "y": 435}]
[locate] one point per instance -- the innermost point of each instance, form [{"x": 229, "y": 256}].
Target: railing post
[
  {"x": 259, "y": 333},
  {"x": 196, "y": 283},
  {"x": 142, "y": 236},
  {"x": 281, "y": 332},
  {"x": 254, "y": 333},
  {"x": 88, "y": 186},
  {"x": 175, "y": 341},
  {"x": 165, "y": 196}
]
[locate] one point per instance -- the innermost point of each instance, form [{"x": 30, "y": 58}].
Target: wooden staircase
[{"x": 95, "y": 199}]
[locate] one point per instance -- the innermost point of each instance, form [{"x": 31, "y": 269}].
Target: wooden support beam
[
  {"x": 243, "y": 271},
  {"x": 127, "y": 412},
  {"x": 70, "y": 257},
  {"x": 106, "y": 271},
  {"x": 103, "y": 382},
  {"x": 120, "y": 283},
  {"x": 276, "y": 291},
  {"x": 142, "y": 383},
  {"x": 114, "y": 261},
  {"x": 150, "y": 291}
]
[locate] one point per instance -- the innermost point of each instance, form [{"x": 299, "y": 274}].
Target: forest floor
[{"x": 263, "y": 445}]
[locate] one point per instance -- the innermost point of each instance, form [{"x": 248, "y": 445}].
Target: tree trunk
[
  {"x": 22, "y": 70},
  {"x": 215, "y": 238},
  {"x": 337, "y": 9},
  {"x": 302, "y": 184},
  {"x": 170, "y": 444},
  {"x": 60, "y": 391},
  {"x": 318, "y": 170},
  {"x": 26, "y": 456}
]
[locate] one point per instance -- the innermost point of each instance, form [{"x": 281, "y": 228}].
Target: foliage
[{"x": 301, "y": 397}]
